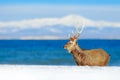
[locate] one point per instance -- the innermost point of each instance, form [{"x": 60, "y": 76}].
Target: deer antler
[{"x": 79, "y": 32}]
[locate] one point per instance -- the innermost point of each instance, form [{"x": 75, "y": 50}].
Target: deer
[{"x": 93, "y": 57}]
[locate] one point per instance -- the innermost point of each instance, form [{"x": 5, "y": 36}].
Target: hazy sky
[{"x": 53, "y": 19}]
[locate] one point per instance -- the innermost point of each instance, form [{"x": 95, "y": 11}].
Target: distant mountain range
[{"x": 58, "y": 28}]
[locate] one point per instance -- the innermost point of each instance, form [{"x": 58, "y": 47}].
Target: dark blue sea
[{"x": 51, "y": 52}]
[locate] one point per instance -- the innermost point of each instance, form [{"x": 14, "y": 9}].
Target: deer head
[{"x": 73, "y": 40}]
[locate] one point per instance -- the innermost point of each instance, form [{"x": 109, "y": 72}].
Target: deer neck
[
  {"x": 77, "y": 50},
  {"x": 76, "y": 53}
]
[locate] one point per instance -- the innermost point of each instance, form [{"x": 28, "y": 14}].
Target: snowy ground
[{"x": 21, "y": 72}]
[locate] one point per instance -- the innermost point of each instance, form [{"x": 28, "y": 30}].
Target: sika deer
[{"x": 94, "y": 57}]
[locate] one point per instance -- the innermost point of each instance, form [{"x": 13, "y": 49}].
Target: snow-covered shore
[{"x": 34, "y": 72}]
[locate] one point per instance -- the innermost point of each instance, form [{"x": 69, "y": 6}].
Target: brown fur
[{"x": 95, "y": 57}]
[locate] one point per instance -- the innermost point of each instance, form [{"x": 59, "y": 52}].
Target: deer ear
[
  {"x": 76, "y": 38},
  {"x": 71, "y": 39}
]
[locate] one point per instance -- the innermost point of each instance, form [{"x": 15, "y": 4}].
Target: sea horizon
[
  {"x": 51, "y": 52},
  {"x": 65, "y": 39}
]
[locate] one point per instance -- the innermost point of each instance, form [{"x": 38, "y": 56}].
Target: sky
[
  {"x": 74, "y": 2},
  {"x": 56, "y": 19}
]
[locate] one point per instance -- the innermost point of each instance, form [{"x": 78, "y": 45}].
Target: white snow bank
[{"x": 21, "y": 72}]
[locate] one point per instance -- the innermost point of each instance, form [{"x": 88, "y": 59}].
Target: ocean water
[{"x": 51, "y": 52}]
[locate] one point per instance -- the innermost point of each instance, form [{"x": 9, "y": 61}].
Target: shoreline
[{"x": 44, "y": 72}]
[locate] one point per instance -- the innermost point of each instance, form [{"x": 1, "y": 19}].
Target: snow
[{"x": 39, "y": 72}]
